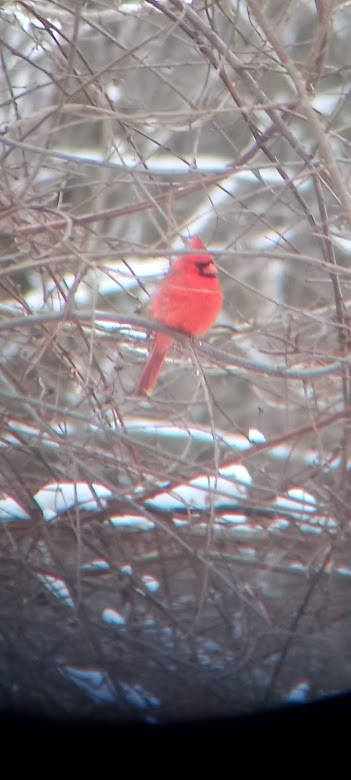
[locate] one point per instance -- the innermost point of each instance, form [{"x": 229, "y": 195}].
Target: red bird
[{"x": 189, "y": 300}]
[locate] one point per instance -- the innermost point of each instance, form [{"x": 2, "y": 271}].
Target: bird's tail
[{"x": 154, "y": 364}]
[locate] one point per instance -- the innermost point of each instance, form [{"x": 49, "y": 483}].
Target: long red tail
[{"x": 153, "y": 365}]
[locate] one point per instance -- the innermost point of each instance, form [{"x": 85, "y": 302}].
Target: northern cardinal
[{"x": 188, "y": 300}]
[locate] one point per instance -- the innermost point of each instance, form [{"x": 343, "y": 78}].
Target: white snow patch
[
  {"x": 95, "y": 683},
  {"x": 132, "y": 522},
  {"x": 57, "y": 588},
  {"x": 11, "y": 510},
  {"x": 58, "y": 497},
  {"x": 205, "y": 491},
  {"x": 113, "y": 617}
]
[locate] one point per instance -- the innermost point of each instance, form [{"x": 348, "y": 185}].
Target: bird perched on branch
[{"x": 188, "y": 300}]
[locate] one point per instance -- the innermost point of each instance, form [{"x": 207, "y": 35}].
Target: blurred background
[{"x": 185, "y": 554}]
